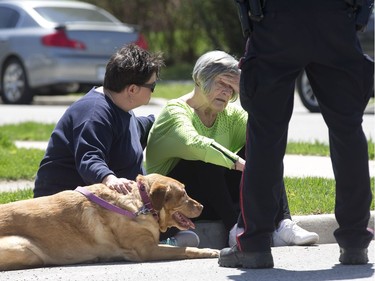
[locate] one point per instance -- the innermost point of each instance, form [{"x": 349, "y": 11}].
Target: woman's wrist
[
  {"x": 239, "y": 165},
  {"x": 108, "y": 178}
]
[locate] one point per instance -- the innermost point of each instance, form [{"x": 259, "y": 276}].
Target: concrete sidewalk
[
  {"x": 212, "y": 234},
  {"x": 294, "y": 165},
  {"x": 315, "y": 263}
]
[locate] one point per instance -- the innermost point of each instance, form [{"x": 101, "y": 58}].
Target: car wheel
[
  {"x": 14, "y": 85},
  {"x": 306, "y": 94}
]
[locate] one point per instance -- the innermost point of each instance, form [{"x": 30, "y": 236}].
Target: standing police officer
[{"x": 286, "y": 37}]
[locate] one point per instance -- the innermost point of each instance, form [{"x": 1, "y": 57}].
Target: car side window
[
  {"x": 62, "y": 14},
  {"x": 8, "y": 17}
]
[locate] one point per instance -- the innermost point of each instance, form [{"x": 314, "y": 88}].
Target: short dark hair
[{"x": 131, "y": 65}]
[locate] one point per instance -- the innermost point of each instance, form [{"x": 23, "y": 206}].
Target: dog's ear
[{"x": 158, "y": 194}]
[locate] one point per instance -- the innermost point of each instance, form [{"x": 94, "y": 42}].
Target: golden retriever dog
[{"x": 69, "y": 228}]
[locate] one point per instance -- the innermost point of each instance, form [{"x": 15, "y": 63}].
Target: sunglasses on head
[{"x": 150, "y": 86}]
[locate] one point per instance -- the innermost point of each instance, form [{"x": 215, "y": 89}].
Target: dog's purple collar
[
  {"x": 147, "y": 205},
  {"x": 146, "y": 208}
]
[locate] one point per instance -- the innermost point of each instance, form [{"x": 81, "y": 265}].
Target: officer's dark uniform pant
[{"x": 318, "y": 36}]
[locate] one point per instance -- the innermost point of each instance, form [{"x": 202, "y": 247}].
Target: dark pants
[
  {"x": 217, "y": 189},
  {"x": 318, "y": 36}
]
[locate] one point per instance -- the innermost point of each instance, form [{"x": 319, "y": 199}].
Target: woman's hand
[
  {"x": 240, "y": 164},
  {"x": 233, "y": 80},
  {"x": 121, "y": 185}
]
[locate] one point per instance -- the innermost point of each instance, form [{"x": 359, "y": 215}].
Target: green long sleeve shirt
[{"x": 178, "y": 133}]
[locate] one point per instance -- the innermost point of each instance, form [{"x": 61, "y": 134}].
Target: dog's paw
[
  {"x": 213, "y": 253},
  {"x": 196, "y": 253}
]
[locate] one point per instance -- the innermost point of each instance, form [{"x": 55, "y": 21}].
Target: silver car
[{"x": 56, "y": 47}]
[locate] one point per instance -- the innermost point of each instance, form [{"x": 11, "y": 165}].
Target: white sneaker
[
  {"x": 233, "y": 233},
  {"x": 289, "y": 234},
  {"x": 184, "y": 238}
]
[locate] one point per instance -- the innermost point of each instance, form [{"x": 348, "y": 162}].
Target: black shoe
[
  {"x": 232, "y": 257},
  {"x": 353, "y": 256}
]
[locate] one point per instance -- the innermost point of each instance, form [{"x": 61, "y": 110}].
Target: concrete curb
[
  {"x": 212, "y": 234},
  {"x": 324, "y": 225}
]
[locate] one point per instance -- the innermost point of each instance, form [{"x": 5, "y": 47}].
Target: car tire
[
  {"x": 306, "y": 94},
  {"x": 14, "y": 84}
]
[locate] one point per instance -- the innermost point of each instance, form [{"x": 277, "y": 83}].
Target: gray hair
[{"x": 212, "y": 64}]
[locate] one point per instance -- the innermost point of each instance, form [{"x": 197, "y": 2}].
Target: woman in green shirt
[{"x": 199, "y": 140}]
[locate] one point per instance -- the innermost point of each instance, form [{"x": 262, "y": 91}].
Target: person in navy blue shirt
[{"x": 99, "y": 139}]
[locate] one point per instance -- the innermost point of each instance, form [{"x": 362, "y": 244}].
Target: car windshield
[{"x": 66, "y": 14}]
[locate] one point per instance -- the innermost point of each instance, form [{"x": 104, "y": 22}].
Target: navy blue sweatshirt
[{"x": 94, "y": 138}]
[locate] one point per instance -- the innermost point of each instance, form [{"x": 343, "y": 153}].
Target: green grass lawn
[
  {"x": 172, "y": 90},
  {"x": 306, "y": 196},
  {"x": 312, "y": 195}
]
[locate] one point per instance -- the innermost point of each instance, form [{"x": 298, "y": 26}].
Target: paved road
[{"x": 316, "y": 263}]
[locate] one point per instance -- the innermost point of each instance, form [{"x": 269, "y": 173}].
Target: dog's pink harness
[{"x": 146, "y": 208}]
